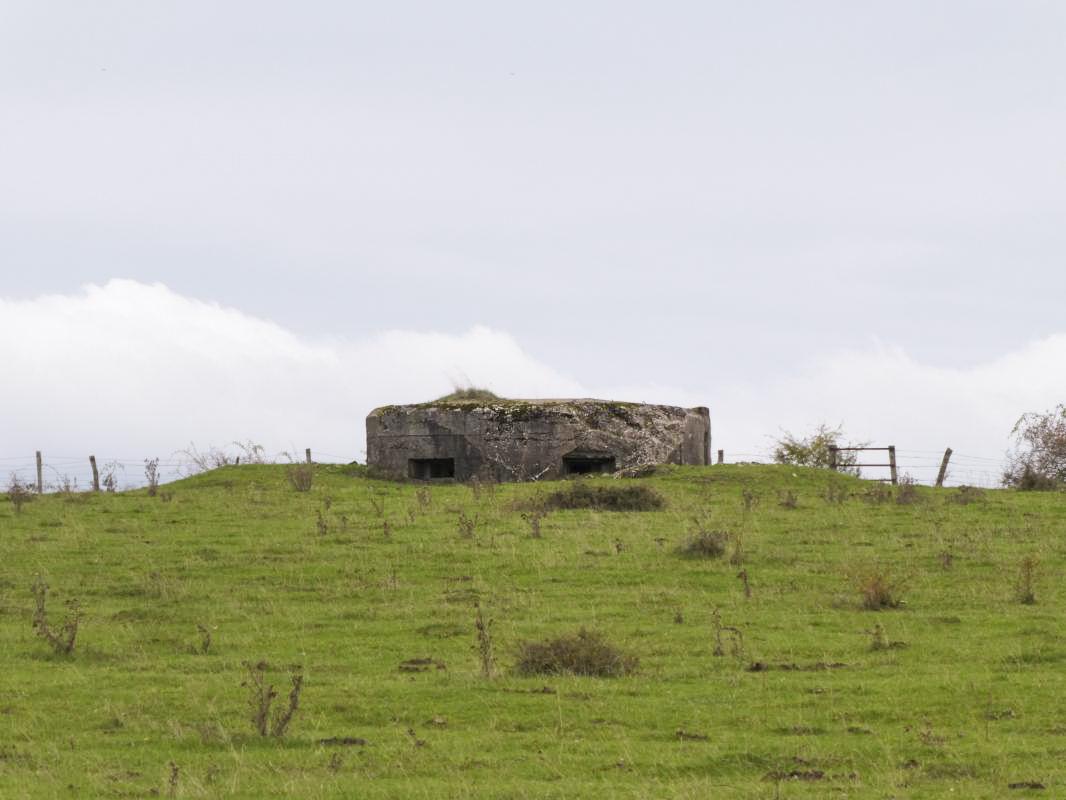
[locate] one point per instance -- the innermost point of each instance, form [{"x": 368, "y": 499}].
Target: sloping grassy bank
[{"x": 762, "y": 673}]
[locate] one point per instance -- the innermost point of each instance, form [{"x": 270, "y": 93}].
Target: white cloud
[
  {"x": 129, "y": 370},
  {"x": 883, "y": 396}
]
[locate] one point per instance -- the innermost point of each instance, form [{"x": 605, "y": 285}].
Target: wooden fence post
[
  {"x": 96, "y": 474},
  {"x": 40, "y": 479},
  {"x": 833, "y": 457},
  {"x": 308, "y": 455},
  {"x": 943, "y": 469},
  {"x": 892, "y": 464},
  {"x": 721, "y": 456}
]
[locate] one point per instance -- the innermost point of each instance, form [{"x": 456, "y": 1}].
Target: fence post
[
  {"x": 943, "y": 469},
  {"x": 721, "y": 456},
  {"x": 40, "y": 479},
  {"x": 892, "y": 463},
  {"x": 308, "y": 455},
  {"x": 96, "y": 474},
  {"x": 833, "y": 457}
]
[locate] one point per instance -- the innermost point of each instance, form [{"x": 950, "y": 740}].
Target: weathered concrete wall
[{"x": 520, "y": 440}]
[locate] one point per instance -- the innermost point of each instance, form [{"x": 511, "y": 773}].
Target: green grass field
[{"x": 788, "y": 689}]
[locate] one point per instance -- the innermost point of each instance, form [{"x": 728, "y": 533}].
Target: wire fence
[
  {"x": 74, "y": 473},
  {"x": 920, "y": 465}
]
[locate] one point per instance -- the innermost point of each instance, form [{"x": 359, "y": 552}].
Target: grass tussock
[
  {"x": 704, "y": 544},
  {"x": 604, "y": 497},
  {"x": 469, "y": 394},
  {"x": 584, "y": 653}
]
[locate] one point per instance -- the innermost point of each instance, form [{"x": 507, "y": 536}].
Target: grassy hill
[{"x": 762, "y": 671}]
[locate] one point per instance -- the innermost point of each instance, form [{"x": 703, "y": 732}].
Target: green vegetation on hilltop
[{"x": 753, "y": 667}]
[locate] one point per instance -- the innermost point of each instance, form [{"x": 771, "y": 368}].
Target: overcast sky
[{"x": 257, "y": 220}]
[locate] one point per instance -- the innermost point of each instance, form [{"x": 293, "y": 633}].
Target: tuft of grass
[
  {"x": 584, "y": 653},
  {"x": 610, "y": 497},
  {"x": 469, "y": 394}
]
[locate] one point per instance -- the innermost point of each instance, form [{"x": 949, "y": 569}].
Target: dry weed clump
[
  {"x": 62, "y": 640},
  {"x": 907, "y": 491},
  {"x": 704, "y": 544},
  {"x": 300, "y": 476},
  {"x": 484, "y": 643},
  {"x": 262, "y": 694},
  {"x": 967, "y": 495},
  {"x": 1025, "y": 588},
  {"x": 151, "y": 476},
  {"x": 609, "y": 497},
  {"x": 19, "y": 493},
  {"x": 878, "y": 589},
  {"x": 585, "y": 653}
]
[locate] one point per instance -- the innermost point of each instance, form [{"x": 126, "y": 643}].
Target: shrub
[
  {"x": 1030, "y": 480},
  {"x": 1039, "y": 458},
  {"x": 19, "y": 493},
  {"x": 967, "y": 495},
  {"x": 704, "y": 544},
  {"x": 814, "y": 450},
  {"x": 878, "y": 589},
  {"x": 584, "y": 653},
  {"x": 622, "y": 497},
  {"x": 907, "y": 491}
]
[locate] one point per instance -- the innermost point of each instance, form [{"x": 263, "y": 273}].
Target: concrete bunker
[{"x": 491, "y": 438}]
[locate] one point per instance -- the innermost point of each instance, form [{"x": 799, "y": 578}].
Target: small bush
[
  {"x": 704, "y": 544},
  {"x": 814, "y": 450},
  {"x": 1029, "y": 480},
  {"x": 19, "y": 493},
  {"x": 967, "y": 495},
  {"x": 1038, "y": 462},
  {"x": 610, "y": 497},
  {"x": 584, "y": 653},
  {"x": 907, "y": 491},
  {"x": 878, "y": 589}
]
